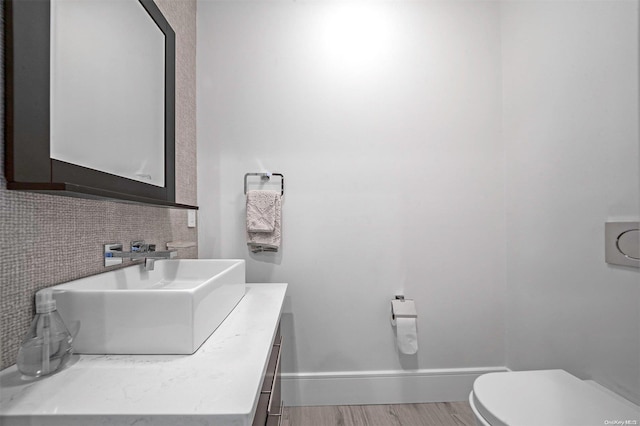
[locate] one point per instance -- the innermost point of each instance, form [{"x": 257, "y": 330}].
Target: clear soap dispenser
[{"x": 47, "y": 346}]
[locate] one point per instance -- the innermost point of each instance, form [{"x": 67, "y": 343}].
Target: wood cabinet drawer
[
  {"x": 261, "y": 412},
  {"x": 269, "y": 410},
  {"x": 274, "y": 400},
  {"x": 274, "y": 419},
  {"x": 267, "y": 384}
]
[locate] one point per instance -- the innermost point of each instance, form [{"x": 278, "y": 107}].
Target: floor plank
[
  {"x": 432, "y": 414},
  {"x": 381, "y": 415},
  {"x": 425, "y": 415},
  {"x": 462, "y": 413}
]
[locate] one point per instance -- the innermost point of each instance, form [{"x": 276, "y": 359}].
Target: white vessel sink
[{"x": 170, "y": 310}]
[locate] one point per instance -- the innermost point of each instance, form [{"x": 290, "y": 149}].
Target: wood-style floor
[{"x": 434, "y": 414}]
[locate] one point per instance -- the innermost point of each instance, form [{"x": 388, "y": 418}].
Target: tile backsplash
[{"x": 47, "y": 239}]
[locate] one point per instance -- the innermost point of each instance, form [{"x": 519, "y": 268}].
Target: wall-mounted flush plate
[
  {"x": 622, "y": 243},
  {"x": 191, "y": 218},
  {"x": 108, "y": 249}
]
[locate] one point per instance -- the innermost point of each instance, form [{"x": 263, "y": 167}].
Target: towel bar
[{"x": 265, "y": 176}]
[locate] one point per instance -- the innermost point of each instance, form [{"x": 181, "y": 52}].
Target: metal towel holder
[{"x": 265, "y": 176}]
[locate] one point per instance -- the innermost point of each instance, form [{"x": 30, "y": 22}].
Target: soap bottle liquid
[{"x": 47, "y": 346}]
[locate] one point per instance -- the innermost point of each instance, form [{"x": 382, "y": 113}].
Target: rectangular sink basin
[{"x": 170, "y": 310}]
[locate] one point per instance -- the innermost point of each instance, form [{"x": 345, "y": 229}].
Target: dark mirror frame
[{"x": 28, "y": 165}]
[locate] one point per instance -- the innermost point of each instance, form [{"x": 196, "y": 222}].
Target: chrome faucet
[{"x": 113, "y": 254}]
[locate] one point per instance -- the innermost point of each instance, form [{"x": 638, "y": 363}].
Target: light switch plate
[{"x": 191, "y": 218}]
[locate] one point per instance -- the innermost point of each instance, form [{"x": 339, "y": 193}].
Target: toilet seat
[{"x": 546, "y": 397}]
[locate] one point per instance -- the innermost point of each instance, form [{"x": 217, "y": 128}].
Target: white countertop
[{"x": 218, "y": 385}]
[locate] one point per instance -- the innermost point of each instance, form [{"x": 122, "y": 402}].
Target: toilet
[{"x": 547, "y": 398}]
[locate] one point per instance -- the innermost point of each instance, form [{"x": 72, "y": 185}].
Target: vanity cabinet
[
  {"x": 269, "y": 411},
  {"x": 241, "y": 360}
]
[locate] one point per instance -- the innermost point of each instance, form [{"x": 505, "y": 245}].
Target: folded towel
[
  {"x": 261, "y": 211},
  {"x": 264, "y": 240}
]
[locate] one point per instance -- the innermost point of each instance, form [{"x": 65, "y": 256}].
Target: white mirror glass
[{"x": 107, "y": 88}]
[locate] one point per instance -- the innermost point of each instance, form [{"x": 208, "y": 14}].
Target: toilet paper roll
[{"x": 407, "y": 335}]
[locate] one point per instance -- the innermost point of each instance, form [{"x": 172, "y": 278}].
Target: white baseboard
[{"x": 380, "y": 387}]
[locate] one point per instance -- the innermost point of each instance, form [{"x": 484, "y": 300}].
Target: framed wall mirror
[{"x": 90, "y": 100}]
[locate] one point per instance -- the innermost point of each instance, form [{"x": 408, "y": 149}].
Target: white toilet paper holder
[{"x": 403, "y": 308}]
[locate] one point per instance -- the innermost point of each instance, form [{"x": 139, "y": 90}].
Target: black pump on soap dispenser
[{"x": 47, "y": 346}]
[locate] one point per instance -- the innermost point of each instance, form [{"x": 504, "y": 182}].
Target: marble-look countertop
[{"x": 218, "y": 385}]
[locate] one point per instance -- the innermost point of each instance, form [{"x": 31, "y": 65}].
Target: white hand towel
[
  {"x": 261, "y": 211},
  {"x": 266, "y": 241}
]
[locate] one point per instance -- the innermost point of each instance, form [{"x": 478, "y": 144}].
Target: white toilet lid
[{"x": 548, "y": 397}]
